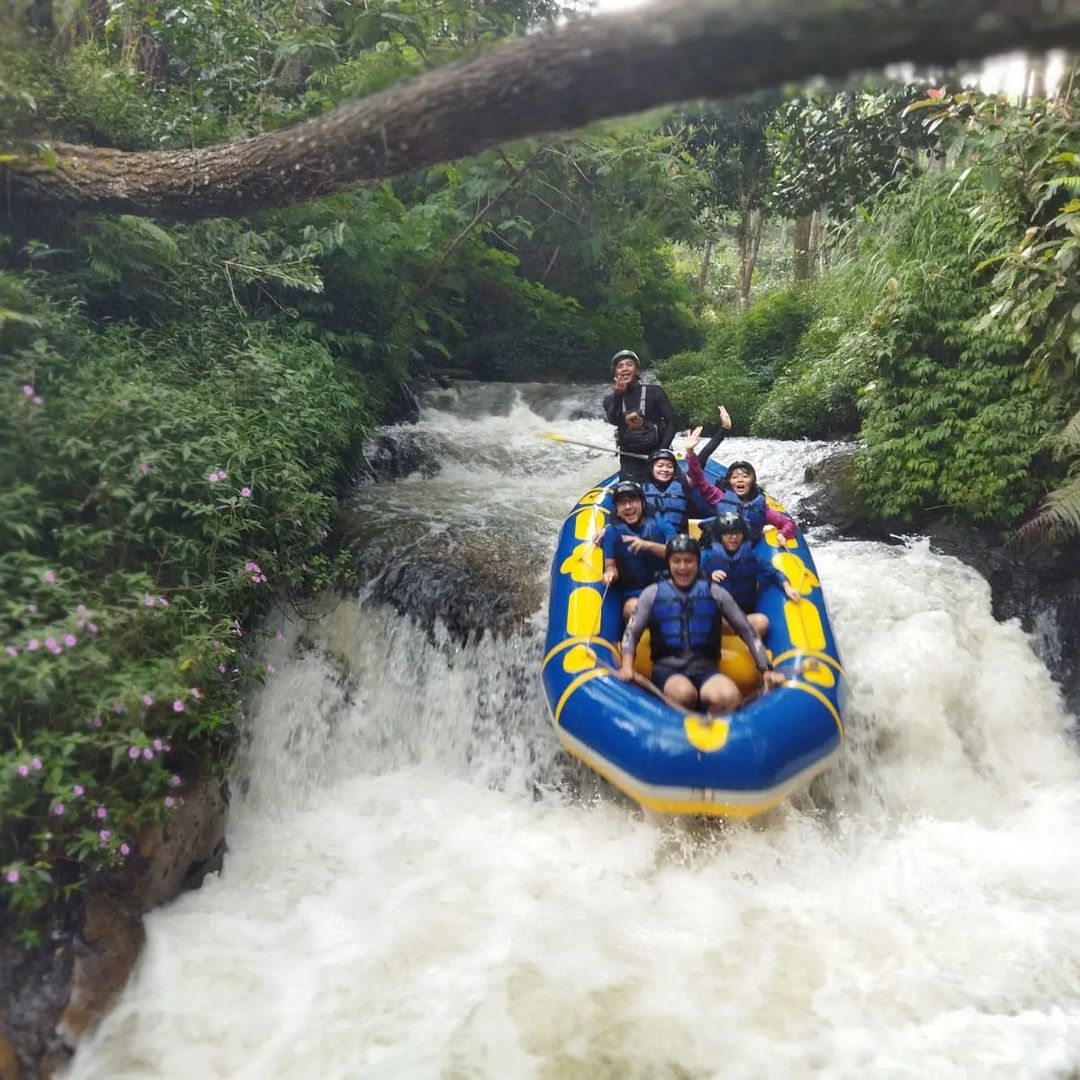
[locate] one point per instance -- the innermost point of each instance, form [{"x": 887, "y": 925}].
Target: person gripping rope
[
  {"x": 642, "y": 414},
  {"x": 685, "y": 615}
]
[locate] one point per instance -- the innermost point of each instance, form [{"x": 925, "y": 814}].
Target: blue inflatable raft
[{"x": 668, "y": 760}]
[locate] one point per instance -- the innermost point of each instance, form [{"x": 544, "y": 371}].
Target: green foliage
[
  {"x": 952, "y": 419},
  {"x": 158, "y": 488},
  {"x": 817, "y": 397}
]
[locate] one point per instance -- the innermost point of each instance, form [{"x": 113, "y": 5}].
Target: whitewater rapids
[{"x": 420, "y": 884}]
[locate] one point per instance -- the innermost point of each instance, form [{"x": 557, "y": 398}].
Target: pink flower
[
  {"x": 147, "y": 700},
  {"x": 101, "y": 813},
  {"x": 144, "y": 468},
  {"x": 92, "y": 627},
  {"x": 148, "y": 753},
  {"x": 177, "y": 706},
  {"x": 50, "y": 644},
  {"x": 11, "y": 651},
  {"x": 125, "y": 850},
  {"x": 221, "y": 668},
  {"x": 133, "y": 752},
  {"x": 82, "y": 609},
  {"x": 148, "y": 600},
  {"x": 196, "y": 693},
  {"x": 159, "y": 745},
  {"x": 55, "y": 649},
  {"x": 35, "y": 764},
  {"x": 279, "y": 636},
  {"x": 28, "y": 390},
  {"x": 58, "y": 809},
  {"x": 49, "y": 577},
  {"x": 104, "y": 837},
  {"x": 118, "y": 707},
  {"x": 270, "y": 669},
  {"x": 170, "y": 802},
  {"x": 23, "y": 770},
  {"x": 70, "y": 640},
  {"x": 78, "y": 790},
  {"x": 37, "y": 399},
  {"x": 174, "y": 780},
  {"x": 33, "y": 645},
  {"x": 162, "y": 602},
  {"x": 217, "y": 475},
  {"x": 12, "y": 877},
  {"x": 245, "y": 493},
  {"x": 252, "y": 567},
  {"x": 94, "y": 721}
]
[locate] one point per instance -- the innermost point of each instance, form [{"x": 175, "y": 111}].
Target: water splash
[{"x": 420, "y": 884}]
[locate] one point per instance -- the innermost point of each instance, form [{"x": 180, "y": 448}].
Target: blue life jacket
[
  {"x": 669, "y": 503},
  {"x": 637, "y": 571},
  {"x": 684, "y": 624},
  {"x": 753, "y": 511},
  {"x": 742, "y": 569}
]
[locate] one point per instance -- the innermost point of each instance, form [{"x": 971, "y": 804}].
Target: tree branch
[{"x": 591, "y": 69}]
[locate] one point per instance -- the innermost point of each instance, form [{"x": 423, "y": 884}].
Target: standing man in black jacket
[{"x": 643, "y": 418}]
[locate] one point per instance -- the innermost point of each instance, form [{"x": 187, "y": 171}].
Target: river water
[{"x": 420, "y": 884}]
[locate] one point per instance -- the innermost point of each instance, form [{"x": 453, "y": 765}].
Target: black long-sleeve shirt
[{"x": 657, "y": 410}]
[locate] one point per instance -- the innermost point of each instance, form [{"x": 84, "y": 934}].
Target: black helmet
[
  {"x": 663, "y": 454},
  {"x": 682, "y": 544},
  {"x": 729, "y": 521},
  {"x": 625, "y": 354},
  {"x": 628, "y": 489}
]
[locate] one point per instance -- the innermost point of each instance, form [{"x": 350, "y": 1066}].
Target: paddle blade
[{"x": 552, "y": 436}]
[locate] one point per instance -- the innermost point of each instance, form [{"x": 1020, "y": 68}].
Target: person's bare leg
[
  {"x": 719, "y": 694},
  {"x": 681, "y": 691},
  {"x": 760, "y": 623},
  {"x": 628, "y": 608}
]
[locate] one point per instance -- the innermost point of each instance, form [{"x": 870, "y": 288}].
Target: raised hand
[
  {"x": 725, "y": 418},
  {"x": 719, "y": 575},
  {"x": 693, "y": 439}
]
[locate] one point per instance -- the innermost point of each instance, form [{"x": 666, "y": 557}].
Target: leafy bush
[
  {"x": 771, "y": 330},
  {"x": 952, "y": 419},
  {"x": 818, "y": 396},
  {"x": 157, "y": 489},
  {"x": 728, "y": 383}
]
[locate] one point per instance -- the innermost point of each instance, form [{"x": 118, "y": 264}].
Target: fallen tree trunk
[{"x": 596, "y": 68}]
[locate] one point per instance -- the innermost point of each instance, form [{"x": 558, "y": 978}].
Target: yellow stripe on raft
[
  {"x": 583, "y": 612},
  {"x": 824, "y": 657},
  {"x": 795, "y": 570},
  {"x": 586, "y": 563},
  {"x": 804, "y": 625},
  {"x": 570, "y": 642},
  {"x": 813, "y": 691},
  {"x": 583, "y": 678},
  {"x": 676, "y": 806},
  {"x": 587, "y": 523}
]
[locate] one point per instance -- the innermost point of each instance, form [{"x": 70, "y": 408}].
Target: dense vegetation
[{"x": 179, "y": 400}]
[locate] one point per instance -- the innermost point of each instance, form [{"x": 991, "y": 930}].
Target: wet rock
[
  {"x": 469, "y": 588},
  {"x": 51, "y": 996},
  {"x": 1039, "y": 585},
  {"x": 105, "y": 951},
  {"x": 391, "y": 455}
]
